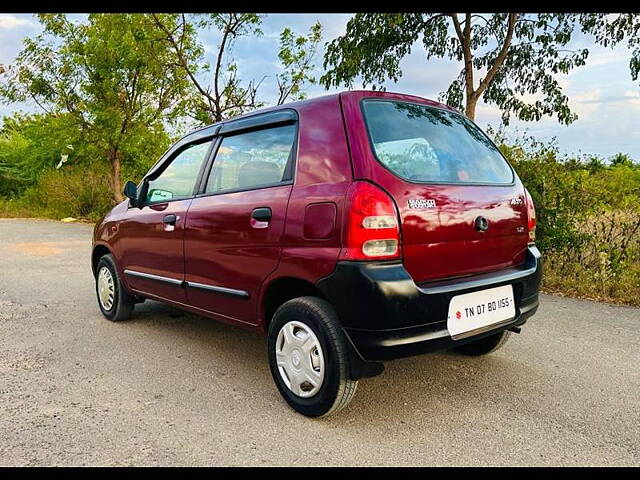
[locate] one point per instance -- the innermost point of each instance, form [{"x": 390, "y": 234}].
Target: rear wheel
[
  {"x": 484, "y": 345},
  {"x": 308, "y": 357},
  {"x": 114, "y": 301}
]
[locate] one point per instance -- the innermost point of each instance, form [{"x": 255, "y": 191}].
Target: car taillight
[
  {"x": 372, "y": 231},
  {"x": 531, "y": 216}
]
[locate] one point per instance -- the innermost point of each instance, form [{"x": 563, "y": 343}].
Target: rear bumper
[{"x": 386, "y": 315}]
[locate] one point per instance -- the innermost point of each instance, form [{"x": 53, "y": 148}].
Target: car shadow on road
[{"x": 416, "y": 385}]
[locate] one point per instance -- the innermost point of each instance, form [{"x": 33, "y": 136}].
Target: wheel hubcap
[
  {"x": 300, "y": 359},
  {"x": 106, "y": 289}
]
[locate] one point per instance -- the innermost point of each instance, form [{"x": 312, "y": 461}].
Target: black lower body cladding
[{"x": 386, "y": 315}]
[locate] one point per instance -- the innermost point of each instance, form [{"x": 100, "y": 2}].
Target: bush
[
  {"x": 12, "y": 176},
  {"x": 588, "y": 216},
  {"x": 31, "y": 148},
  {"x": 73, "y": 191},
  {"x": 32, "y": 144}
]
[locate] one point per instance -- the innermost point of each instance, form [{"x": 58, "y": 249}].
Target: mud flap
[{"x": 359, "y": 367}]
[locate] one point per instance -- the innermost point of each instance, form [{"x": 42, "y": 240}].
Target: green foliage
[
  {"x": 595, "y": 164},
  {"x": 13, "y": 175},
  {"x": 73, "y": 191},
  {"x": 296, "y": 56},
  {"x": 515, "y": 55},
  {"x": 30, "y": 144},
  {"x": 621, "y": 159},
  {"x": 31, "y": 147}
]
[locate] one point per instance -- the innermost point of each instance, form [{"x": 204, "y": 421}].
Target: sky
[{"x": 602, "y": 93}]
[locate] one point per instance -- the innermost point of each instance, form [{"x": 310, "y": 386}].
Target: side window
[
  {"x": 252, "y": 159},
  {"x": 179, "y": 178}
]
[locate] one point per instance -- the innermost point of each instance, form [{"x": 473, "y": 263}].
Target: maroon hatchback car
[{"x": 350, "y": 229}]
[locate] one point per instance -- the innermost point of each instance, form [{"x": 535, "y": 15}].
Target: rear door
[
  {"x": 234, "y": 226},
  {"x": 461, "y": 206},
  {"x": 150, "y": 238}
]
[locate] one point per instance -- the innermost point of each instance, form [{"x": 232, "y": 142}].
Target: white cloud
[
  {"x": 488, "y": 112},
  {"x": 587, "y": 102},
  {"x": 8, "y": 21},
  {"x": 633, "y": 97},
  {"x": 632, "y": 93},
  {"x": 604, "y": 56}
]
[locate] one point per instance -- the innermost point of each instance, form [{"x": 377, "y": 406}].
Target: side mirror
[{"x": 131, "y": 192}]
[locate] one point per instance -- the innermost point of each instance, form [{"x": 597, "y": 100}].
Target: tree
[
  {"x": 296, "y": 55},
  {"x": 112, "y": 75},
  {"x": 508, "y": 59},
  {"x": 595, "y": 164},
  {"x": 226, "y": 95},
  {"x": 621, "y": 159}
]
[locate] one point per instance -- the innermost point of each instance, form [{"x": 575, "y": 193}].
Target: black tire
[
  {"x": 123, "y": 302},
  {"x": 485, "y": 345},
  {"x": 337, "y": 388}
]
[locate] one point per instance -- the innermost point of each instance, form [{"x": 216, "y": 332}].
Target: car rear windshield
[{"x": 431, "y": 145}]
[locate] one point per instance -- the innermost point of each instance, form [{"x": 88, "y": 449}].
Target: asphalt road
[{"x": 171, "y": 388}]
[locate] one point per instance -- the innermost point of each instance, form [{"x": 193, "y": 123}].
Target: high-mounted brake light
[
  {"x": 372, "y": 231},
  {"x": 531, "y": 217}
]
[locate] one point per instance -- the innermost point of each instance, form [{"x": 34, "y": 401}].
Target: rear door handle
[
  {"x": 260, "y": 217},
  {"x": 170, "y": 222},
  {"x": 170, "y": 219}
]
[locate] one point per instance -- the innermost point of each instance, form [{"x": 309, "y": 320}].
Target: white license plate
[{"x": 473, "y": 311}]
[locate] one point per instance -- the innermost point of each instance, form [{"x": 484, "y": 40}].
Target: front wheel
[
  {"x": 308, "y": 357},
  {"x": 114, "y": 301}
]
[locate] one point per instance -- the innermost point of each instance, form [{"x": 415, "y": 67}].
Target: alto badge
[{"x": 421, "y": 203}]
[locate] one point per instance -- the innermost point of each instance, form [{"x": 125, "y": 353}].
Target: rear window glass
[{"x": 427, "y": 144}]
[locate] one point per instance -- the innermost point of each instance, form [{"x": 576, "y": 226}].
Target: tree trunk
[
  {"x": 474, "y": 95},
  {"x": 470, "y": 109},
  {"x": 116, "y": 182},
  {"x": 464, "y": 36}
]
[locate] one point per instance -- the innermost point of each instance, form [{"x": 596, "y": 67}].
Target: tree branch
[
  {"x": 465, "y": 41},
  {"x": 181, "y": 58},
  {"x": 501, "y": 56}
]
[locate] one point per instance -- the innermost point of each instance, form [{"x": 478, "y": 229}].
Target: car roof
[{"x": 300, "y": 103}]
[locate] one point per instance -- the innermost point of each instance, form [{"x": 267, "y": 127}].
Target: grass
[
  {"x": 604, "y": 265},
  {"x": 573, "y": 279}
]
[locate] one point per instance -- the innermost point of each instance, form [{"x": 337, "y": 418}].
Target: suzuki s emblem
[
  {"x": 482, "y": 224},
  {"x": 421, "y": 203}
]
